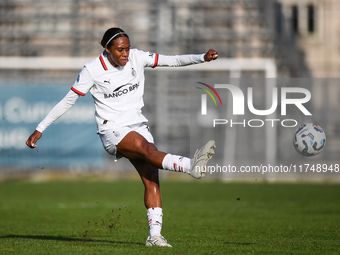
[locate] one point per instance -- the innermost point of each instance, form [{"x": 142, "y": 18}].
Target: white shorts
[{"x": 111, "y": 138}]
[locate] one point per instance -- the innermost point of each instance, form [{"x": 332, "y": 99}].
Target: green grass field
[{"x": 199, "y": 218}]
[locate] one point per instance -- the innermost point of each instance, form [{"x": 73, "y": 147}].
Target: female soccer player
[{"x": 116, "y": 81}]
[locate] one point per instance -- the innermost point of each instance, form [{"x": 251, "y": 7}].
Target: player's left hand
[{"x": 211, "y": 55}]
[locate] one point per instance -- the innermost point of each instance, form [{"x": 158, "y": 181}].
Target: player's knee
[{"x": 147, "y": 149}]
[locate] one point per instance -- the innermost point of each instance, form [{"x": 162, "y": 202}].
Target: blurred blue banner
[{"x": 70, "y": 142}]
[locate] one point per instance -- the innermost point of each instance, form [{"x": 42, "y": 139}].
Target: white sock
[
  {"x": 176, "y": 163},
  {"x": 155, "y": 217}
]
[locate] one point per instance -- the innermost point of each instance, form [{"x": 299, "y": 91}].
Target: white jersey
[{"x": 117, "y": 91}]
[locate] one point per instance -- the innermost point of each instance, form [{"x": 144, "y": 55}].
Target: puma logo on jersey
[{"x": 108, "y": 81}]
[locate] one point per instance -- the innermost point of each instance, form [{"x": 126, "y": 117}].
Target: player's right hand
[{"x": 32, "y": 140}]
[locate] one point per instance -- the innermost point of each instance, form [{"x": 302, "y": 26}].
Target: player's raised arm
[{"x": 186, "y": 59}]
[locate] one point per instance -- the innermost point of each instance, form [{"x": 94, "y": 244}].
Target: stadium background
[{"x": 301, "y": 37}]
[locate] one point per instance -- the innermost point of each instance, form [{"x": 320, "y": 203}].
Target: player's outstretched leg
[
  {"x": 200, "y": 159},
  {"x": 136, "y": 147}
]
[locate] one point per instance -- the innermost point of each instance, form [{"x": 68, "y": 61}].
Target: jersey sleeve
[
  {"x": 150, "y": 59},
  {"x": 62, "y": 107},
  {"x": 180, "y": 60},
  {"x": 147, "y": 59},
  {"x": 83, "y": 83}
]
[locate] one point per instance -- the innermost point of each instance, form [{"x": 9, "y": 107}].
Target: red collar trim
[{"x": 103, "y": 63}]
